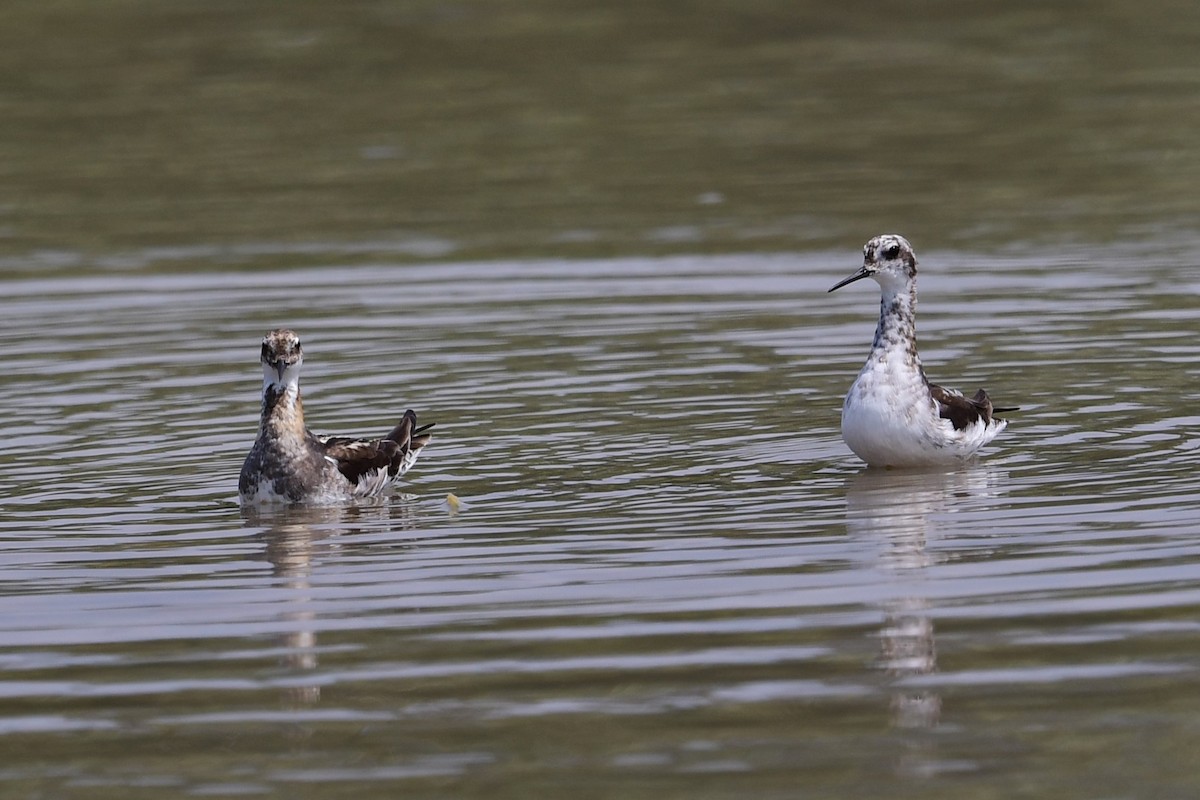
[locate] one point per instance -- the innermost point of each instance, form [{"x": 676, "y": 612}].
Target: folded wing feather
[
  {"x": 359, "y": 458},
  {"x": 962, "y": 411}
]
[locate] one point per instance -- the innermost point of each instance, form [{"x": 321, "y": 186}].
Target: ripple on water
[{"x": 660, "y": 520}]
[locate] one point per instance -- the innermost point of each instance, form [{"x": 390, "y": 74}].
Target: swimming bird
[
  {"x": 893, "y": 416},
  {"x": 290, "y": 464}
]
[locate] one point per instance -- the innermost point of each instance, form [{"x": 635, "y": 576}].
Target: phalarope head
[
  {"x": 281, "y": 358},
  {"x": 889, "y": 259}
]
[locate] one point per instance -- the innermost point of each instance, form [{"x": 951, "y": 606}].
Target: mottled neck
[
  {"x": 897, "y": 329},
  {"x": 282, "y": 411}
]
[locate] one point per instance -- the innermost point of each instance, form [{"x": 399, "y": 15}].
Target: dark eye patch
[{"x": 892, "y": 252}]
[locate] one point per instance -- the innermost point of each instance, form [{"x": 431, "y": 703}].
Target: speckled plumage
[
  {"x": 893, "y": 416},
  {"x": 290, "y": 464}
]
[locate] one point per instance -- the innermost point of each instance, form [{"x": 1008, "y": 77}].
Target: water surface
[
  {"x": 667, "y": 573},
  {"x": 593, "y": 244},
  {"x": 561, "y": 127}
]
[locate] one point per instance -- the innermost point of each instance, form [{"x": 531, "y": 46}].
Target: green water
[
  {"x": 592, "y": 242},
  {"x": 501, "y": 128}
]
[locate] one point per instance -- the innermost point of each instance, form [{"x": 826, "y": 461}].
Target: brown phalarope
[
  {"x": 290, "y": 464},
  {"x": 893, "y": 416}
]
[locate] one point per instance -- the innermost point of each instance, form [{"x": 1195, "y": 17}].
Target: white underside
[{"x": 889, "y": 420}]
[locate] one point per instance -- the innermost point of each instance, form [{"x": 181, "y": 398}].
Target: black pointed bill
[{"x": 862, "y": 273}]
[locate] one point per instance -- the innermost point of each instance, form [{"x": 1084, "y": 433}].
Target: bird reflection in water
[
  {"x": 901, "y": 513},
  {"x": 298, "y": 539}
]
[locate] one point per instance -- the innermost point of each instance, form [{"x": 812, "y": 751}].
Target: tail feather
[
  {"x": 981, "y": 397},
  {"x": 410, "y": 439}
]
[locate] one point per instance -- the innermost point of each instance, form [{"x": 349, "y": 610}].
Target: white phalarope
[
  {"x": 893, "y": 416},
  {"x": 290, "y": 464}
]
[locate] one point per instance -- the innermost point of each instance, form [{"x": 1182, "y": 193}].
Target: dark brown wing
[
  {"x": 409, "y": 440},
  {"x": 395, "y": 452},
  {"x": 357, "y": 457},
  {"x": 960, "y": 410}
]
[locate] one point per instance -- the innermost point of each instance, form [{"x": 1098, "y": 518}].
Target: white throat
[{"x": 287, "y": 381}]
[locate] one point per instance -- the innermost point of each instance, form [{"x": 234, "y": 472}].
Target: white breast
[{"x": 889, "y": 420}]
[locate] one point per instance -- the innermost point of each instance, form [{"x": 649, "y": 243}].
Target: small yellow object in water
[{"x": 453, "y": 503}]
